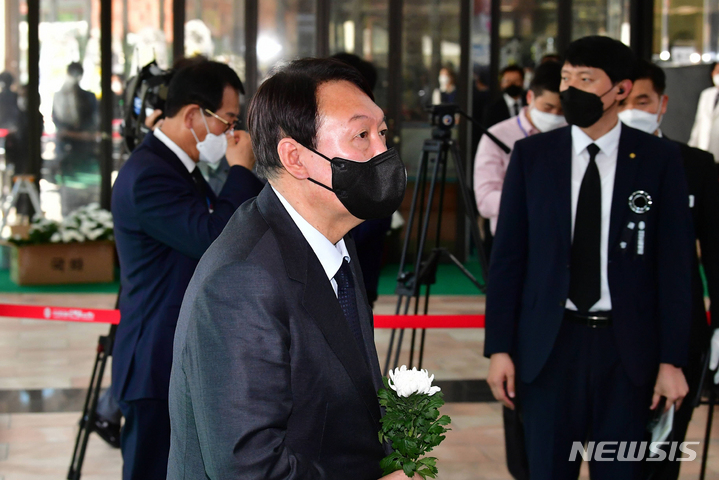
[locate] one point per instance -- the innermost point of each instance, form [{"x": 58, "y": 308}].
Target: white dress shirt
[
  {"x": 513, "y": 104},
  {"x": 181, "y": 154},
  {"x": 607, "y": 164},
  {"x": 329, "y": 255}
]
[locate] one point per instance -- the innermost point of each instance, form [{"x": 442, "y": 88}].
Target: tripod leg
[
  {"x": 470, "y": 209},
  {"x": 421, "y": 348},
  {"x": 84, "y": 425}
]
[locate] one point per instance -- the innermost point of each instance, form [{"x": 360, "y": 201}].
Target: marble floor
[{"x": 49, "y": 363}]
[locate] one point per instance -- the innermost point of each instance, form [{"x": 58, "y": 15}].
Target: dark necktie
[
  {"x": 348, "y": 301},
  {"x": 199, "y": 181},
  {"x": 584, "y": 279},
  {"x": 515, "y": 108}
]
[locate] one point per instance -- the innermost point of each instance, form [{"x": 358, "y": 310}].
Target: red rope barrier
[{"x": 96, "y": 315}]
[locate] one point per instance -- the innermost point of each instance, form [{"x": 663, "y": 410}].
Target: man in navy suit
[
  {"x": 589, "y": 290},
  {"x": 165, "y": 217}
]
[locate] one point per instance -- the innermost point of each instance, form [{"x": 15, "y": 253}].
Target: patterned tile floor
[{"x": 43, "y": 355}]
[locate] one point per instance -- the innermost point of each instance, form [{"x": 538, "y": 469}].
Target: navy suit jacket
[
  {"x": 529, "y": 270},
  {"x": 162, "y": 228}
]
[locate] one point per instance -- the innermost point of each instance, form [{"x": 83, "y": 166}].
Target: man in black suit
[
  {"x": 275, "y": 373},
  {"x": 511, "y": 83},
  {"x": 588, "y": 290},
  {"x": 165, "y": 217},
  {"x": 644, "y": 109}
]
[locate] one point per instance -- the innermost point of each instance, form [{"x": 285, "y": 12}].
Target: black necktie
[
  {"x": 584, "y": 280},
  {"x": 348, "y": 301},
  {"x": 199, "y": 181},
  {"x": 516, "y": 108}
]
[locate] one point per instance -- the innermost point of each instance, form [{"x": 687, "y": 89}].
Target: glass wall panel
[
  {"x": 430, "y": 42},
  {"x": 286, "y": 32},
  {"x": 69, "y": 103},
  {"x": 13, "y": 94},
  {"x": 527, "y": 31},
  {"x": 215, "y": 28},
  {"x": 686, "y": 31},
  {"x": 601, "y": 17},
  {"x": 361, "y": 27}
]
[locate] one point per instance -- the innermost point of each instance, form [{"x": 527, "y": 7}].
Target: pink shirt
[{"x": 490, "y": 163}]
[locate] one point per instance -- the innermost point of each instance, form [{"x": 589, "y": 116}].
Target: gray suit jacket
[{"x": 267, "y": 380}]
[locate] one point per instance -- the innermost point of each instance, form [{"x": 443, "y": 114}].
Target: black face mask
[
  {"x": 513, "y": 90},
  {"x": 371, "y": 189},
  {"x": 581, "y": 108}
]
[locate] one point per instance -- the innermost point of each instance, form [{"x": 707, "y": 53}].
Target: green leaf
[{"x": 409, "y": 469}]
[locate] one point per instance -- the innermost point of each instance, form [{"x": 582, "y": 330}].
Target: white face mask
[
  {"x": 715, "y": 79},
  {"x": 212, "y": 148},
  {"x": 546, "y": 121},
  {"x": 443, "y": 82},
  {"x": 641, "y": 120}
]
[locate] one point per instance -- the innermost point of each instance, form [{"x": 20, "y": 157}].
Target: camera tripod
[
  {"x": 434, "y": 156},
  {"x": 89, "y": 410}
]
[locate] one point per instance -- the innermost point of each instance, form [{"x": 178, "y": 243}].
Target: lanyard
[{"x": 521, "y": 127}]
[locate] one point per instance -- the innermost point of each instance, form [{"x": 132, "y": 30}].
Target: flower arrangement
[
  {"x": 411, "y": 424},
  {"x": 88, "y": 223}
]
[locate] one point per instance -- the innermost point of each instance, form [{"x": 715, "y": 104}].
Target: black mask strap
[{"x": 320, "y": 184}]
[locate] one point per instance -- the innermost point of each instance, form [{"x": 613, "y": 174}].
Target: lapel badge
[
  {"x": 640, "y": 202},
  {"x": 632, "y": 155}
]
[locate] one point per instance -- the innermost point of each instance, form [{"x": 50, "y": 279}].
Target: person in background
[
  {"x": 589, "y": 289},
  {"x": 480, "y": 100},
  {"x": 9, "y": 109},
  {"x": 705, "y": 132},
  {"x": 369, "y": 236},
  {"x": 543, "y": 113},
  {"x": 644, "y": 110},
  {"x": 447, "y": 91},
  {"x": 75, "y": 114},
  {"x": 165, "y": 217},
  {"x": 511, "y": 83}
]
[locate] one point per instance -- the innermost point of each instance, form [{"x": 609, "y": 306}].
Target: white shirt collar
[
  {"x": 329, "y": 255},
  {"x": 607, "y": 143},
  {"x": 181, "y": 154}
]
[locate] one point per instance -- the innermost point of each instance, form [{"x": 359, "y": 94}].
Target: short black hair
[
  {"x": 651, "y": 71},
  {"x": 368, "y": 71},
  {"x": 551, "y": 57},
  {"x": 7, "y": 78},
  {"x": 285, "y": 105},
  {"x": 608, "y": 54},
  {"x": 75, "y": 69},
  {"x": 547, "y": 76},
  {"x": 200, "y": 83},
  {"x": 512, "y": 68},
  {"x": 711, "y": 71}
]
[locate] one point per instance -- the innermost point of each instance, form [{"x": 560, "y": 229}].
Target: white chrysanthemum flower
[
  {"x": 407, "y": 382},
  {"x": 56, "y": 237}
]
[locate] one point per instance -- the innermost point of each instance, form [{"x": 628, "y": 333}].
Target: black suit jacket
[
  {"x": 162, "y": 228},
  {"x": 497, "y": 111},
  {"x": 268, "y": 381},
  {"x": 529, "y": 270},
  {"x": 703, "y": 183}
]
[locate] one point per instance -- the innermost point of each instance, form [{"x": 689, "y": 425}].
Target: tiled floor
[{"x": 40, "y": 354}]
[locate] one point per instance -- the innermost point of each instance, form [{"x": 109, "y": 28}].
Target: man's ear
[
  {"x": 665, "y": 101},
  {"x": 188, "y": 113},
  {"x": 625, "y": 88},
  {"x": 291, "y": 153},
  {"x": 530, "y": 97}
]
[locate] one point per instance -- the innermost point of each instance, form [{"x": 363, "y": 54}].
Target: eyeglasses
[{"x": 229, "y": 126}]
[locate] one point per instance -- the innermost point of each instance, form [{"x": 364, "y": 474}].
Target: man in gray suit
[{"x": 275, "y": 373}]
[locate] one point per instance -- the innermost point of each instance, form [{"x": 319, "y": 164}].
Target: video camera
[
  {"x": 443, "y": 116},
  {"x": 145, "y": 92}
]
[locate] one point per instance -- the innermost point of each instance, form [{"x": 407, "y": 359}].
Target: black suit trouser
[
  {"x": 582, "y": 394},
  {"x": 145, "y": 439}
]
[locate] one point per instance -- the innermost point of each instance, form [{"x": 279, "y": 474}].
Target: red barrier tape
[
  {"x": 94, "y": 315},
  {"x": 65, "y": 314},
  {"x": 429, "y": 321}
]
